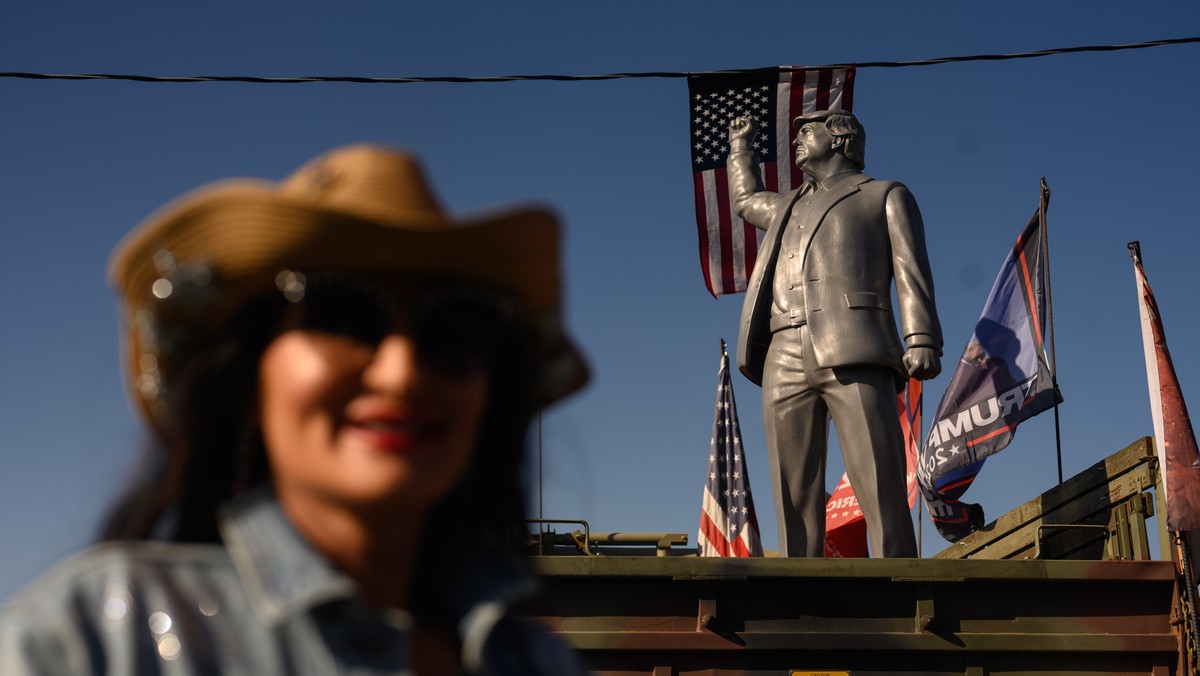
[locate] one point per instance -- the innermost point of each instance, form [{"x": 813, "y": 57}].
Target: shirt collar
[
  {"x": 833, "y": 181},
  {"x": 283, "y": 575}
]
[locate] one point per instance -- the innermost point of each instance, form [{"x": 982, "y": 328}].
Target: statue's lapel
[{"x": 823, "y": 202}]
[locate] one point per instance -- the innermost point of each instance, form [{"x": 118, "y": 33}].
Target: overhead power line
[{"x": 571, "y": 78}]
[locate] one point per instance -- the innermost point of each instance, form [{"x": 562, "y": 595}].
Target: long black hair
[
  {"x": 208, "y": 447},
  {"x": 205, "y": 447}
]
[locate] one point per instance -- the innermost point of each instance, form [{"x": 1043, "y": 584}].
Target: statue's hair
[{"x": 854, "y": 137}]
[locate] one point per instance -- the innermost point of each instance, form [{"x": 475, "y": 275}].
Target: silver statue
[{"x": 818, "y": 331}]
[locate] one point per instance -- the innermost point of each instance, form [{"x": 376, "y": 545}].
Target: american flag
[
  {"x": 728, "y": 524},
  {"x": 773, "y": 97}
]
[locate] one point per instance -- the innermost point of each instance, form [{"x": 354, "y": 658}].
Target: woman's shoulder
[
  {"x": 108, "y": 580},
  {"x": 98, "y": 568},
  {"x": 47, "y": 626}
]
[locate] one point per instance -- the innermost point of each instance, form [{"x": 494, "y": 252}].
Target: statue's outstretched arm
[{"x": 746, "y": 193}]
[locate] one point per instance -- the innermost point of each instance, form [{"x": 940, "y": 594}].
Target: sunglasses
[{"x": 457, "y": 329}]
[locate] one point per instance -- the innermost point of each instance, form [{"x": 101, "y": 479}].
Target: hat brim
[
  {"x": 818, "y": 116},
  {"x": 247, "y": 230}
]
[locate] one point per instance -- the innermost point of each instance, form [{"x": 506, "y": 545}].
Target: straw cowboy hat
[{"x": 365, "y": 209}]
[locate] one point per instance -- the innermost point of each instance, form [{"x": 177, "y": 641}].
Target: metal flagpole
[
  {"x": 541, "y": 516},
  {"x": 1183, "y": 555},
  {"x": 920, "y": 525},
  {"x": 1042, "y": 203},
  {"x": 920, "y": 498}
]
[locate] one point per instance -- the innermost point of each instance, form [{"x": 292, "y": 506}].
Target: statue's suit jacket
[{"x": 855, "y": 241}]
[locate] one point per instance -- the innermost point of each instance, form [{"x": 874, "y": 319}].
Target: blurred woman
[{"x": 338, "y": 378}]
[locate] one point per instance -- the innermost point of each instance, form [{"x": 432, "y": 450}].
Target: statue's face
[{"x": 813, "y": 144}]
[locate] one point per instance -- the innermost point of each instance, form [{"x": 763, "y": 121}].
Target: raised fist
[{"x": 742, "y": 127}]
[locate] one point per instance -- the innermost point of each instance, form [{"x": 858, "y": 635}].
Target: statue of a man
[{"x": 818, "y": 331}]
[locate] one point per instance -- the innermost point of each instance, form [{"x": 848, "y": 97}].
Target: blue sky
[{"x": 82, "y": 162}]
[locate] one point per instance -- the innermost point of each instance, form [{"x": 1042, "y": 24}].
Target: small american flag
[
  {"x": 773, "y": 97},
  {"x": 728, "y": 524}
]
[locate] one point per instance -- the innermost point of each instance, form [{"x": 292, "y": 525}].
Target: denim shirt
[{"x": 264, "y": 603}]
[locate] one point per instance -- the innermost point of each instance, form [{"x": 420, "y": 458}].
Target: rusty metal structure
[{"x": 1064, "y": 584}]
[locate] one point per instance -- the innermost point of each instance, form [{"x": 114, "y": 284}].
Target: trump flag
[
  {"x": 1002, "y": 379},
  {"x": 773, "y": 97}
]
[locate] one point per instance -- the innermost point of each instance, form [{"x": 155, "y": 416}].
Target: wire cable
[{"x": 575, "y": 78}]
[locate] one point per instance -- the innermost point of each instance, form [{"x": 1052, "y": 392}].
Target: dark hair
[{"x": 209, "y": 448}]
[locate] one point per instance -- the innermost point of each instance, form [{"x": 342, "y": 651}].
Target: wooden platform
[
  {"x": 1099, "y": 513},
  {"x": 1061, "y": 585},
  {"x": 667, "y": 616}
]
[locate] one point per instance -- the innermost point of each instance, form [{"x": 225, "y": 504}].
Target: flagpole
[
  {"x": 920, "y": 525},
  {"x": 1184, "y": 556},
  {"x": 920, "y": 498},
  {"x": 541, "y": 516},
  {"x": 1043, "y": 202}
]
